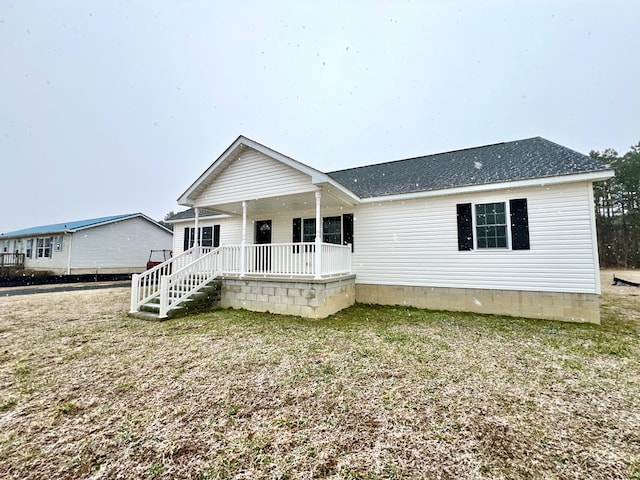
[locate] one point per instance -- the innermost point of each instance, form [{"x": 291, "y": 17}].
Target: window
[
  {"x": 209, "y": 236},
  {"x": 332, "y": 230},
  {"x": 491, "y": 225},
  {"x": 17, "y": 246},
  {"x": 5, "y": 246},
  {"x": 43, "y": 247},
  {"x": 337, "y": 230},
  {"x": 308, "y": 229},
  {"x": 484, "y": 225},
  {"x": 57, "y": 244},
  {"x": 29, "y": 247}
]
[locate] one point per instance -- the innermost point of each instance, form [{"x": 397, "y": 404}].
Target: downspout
[{"x": 69, "y": 254}]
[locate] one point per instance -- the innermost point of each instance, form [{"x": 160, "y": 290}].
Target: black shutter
[
  {"x": 297, "y": 230},
  {"x": 465, "y": 226},
  {"x": 519, "y": 224},
  {"x": 297, "y": 233},
  {"x": 207, "y": 237},
  {"x": 216, "y": 236},
  {"x": 347, "y": 229},
  {"x": 186, "y": 245}
]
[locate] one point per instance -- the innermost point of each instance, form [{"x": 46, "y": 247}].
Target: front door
[{"x": 263, "y": 237}]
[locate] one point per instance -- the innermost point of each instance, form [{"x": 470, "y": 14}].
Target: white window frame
[
  {"x": 41, "y": 247},
  {"x": 58, "y": 243},
  {"x": 507, "y": 213},
  {"x": 312, "y": 219}
]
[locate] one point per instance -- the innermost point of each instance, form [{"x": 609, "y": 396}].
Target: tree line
[{"x": 617, "y": 204}]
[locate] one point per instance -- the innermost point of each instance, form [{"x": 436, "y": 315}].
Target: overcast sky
[{"x": 110, "y": 107}]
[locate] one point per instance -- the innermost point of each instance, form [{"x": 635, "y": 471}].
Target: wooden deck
[{"x": 13, "y": 260}]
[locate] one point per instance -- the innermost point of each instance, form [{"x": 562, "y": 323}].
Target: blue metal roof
[{"x": 67, "y": 227}]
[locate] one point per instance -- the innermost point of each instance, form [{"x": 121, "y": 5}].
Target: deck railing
[
  {"x": 12, "y": 260},
  {"x": 175, "y": 279}
]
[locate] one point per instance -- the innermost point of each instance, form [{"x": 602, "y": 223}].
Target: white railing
[
  {"x": 290, "y": 259},
  {"x": 181, "y": 284},
  {"x": 176, "y": 279},
  {"x": 336, "y": 259},
  {"x": 146, "y": 286}
]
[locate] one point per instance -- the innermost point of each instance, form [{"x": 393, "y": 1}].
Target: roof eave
[
  {"x": 317, "y": 177},
  {"x": 201, "y": 219},
  {"x": 534, "y": 182}
]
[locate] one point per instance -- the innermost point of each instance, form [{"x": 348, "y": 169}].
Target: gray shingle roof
[
  {"x": 502, "y": 162},
  {"x": 191, "y": 213}
]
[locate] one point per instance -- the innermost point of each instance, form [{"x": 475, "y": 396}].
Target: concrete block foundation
[
  {"x": 568, "y": 307},
  {"x": 309, "y": 298}
]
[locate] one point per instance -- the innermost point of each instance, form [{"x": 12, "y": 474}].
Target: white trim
[
  {"x": 594, "y": 235},
  {"x": 318, "y": 258},
  {"x": 243, "y": 262},
  {"x": 507, "y": 224},
  {"x": 535, "y": 182},
  {"x": 202, "y": 219},
  {"x": 196, "y": 241},
  {"x": 317, "y": 177}
]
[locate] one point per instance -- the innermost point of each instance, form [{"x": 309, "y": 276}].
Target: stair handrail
[
  {"x": 182, "y": 283},
  {"x": 146, "y": 285}
]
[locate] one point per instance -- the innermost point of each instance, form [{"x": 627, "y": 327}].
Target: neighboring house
[
  {"x": 107, "y": 245},
  {"x": 505, "y": 229}
]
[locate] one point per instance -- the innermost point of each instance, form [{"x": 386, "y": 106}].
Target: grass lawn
[{"x": 370, "y": 393}]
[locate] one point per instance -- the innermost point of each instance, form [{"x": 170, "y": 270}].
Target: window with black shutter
[
  {"x": 484, "y": 225},
  {"x": 206, "y": 240}
]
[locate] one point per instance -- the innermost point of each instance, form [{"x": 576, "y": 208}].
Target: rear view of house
[
  {"x": 106, "y": 245},
  {"x": 506, "y": 229}
]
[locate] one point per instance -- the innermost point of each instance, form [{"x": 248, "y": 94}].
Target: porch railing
[
  {"x": 146, "y": 286},
  {"x": 12, "y": 260},
  {"x": 177, "y": 278},
  {"x": 182, "y": 283}
]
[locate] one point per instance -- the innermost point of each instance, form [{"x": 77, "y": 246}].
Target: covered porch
[
  {"x": 307, "y": 278},
  {"x": 279, "y": 225}
]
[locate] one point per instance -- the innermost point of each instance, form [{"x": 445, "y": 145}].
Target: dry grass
[{"x": 86, "y": 392}]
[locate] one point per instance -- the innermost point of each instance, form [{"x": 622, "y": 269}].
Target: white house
[
  {"x": 107, "y": 245},
  {"x": 505, "y": 229}
]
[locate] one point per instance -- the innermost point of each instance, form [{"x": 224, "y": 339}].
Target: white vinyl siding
[
  {"x": 255, "y": 174},
  {"x": 415, "y": 243},
  {"x": 123, "y": 245},
  {"x": 230, "y": 231}
]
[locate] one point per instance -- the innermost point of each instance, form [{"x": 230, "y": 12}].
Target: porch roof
[{"x": 320, "y": 180}]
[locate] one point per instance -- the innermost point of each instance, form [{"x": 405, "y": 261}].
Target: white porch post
[
  {"x": 318, "y": 259},
  {"x": 196, "y": 239},
  {"x": 244, "y": 240}
]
